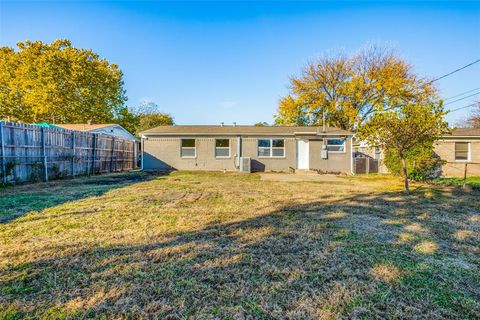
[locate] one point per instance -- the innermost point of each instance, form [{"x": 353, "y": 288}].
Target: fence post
[
  {"x": 2, "y": 145},
  {"x": 112, "y": 154},
  {"x": 73, "y": 153},
  {"x": 367, "y": 166},
  {"x": 94, "y": 141},
  {"x": 44, "y": 156},
  {"x": 465, "y": 176}
]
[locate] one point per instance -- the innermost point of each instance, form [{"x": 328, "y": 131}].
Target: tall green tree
[
  {"x": 405, "y": 129},
  {"x": 58, "y": 83},
  {"x": 128, "y": 120},
  {"x": 145, "y": 116},
  {"x": 350, "y": 89}
]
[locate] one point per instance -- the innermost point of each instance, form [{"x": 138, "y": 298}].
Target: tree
[
  {"x": 58, "y": 83},
  {"x": 473, "y": 121},
  {"x": 128, "y": 120},
  {"x": 149, "y": 121},
  {"x": 261, "y": 124},
  {"x": 147, "y": 115},
  {"x": 351, "y": 89},
  {"x": 405, "y": 129}
]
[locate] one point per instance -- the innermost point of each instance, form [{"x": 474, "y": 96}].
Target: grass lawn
[
  {"x": 229, "y": 246},
  {"x": 472, "y": 182}
]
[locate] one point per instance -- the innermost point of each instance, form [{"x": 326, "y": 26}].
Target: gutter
[{"x": 266, "y": 134}]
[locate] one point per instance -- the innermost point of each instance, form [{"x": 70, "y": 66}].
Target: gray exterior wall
[
  {"x": 336, "y": 162},
  {"x": 445, "y": 149},
  {"x": 249, "y": 145},
  {"x": 164, "y": 153}
]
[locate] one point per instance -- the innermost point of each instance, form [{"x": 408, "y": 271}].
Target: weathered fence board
[
  {"x": 365, "y": 165},
  {"x": 35, "y": 153}
]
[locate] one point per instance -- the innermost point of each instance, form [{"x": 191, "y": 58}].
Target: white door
[{"x": 303, "y": 154}]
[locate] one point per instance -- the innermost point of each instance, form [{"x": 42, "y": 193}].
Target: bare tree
[{"x": 474, "y": 118}]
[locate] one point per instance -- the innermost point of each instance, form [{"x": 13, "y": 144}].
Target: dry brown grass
[
  {"x": 385, "y": 272},
  {"x": 426, "y": 247},
  {"x": 228, "y": 246}
]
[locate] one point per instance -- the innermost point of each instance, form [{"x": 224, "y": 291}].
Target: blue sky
[{"x": 213, "y": 62}]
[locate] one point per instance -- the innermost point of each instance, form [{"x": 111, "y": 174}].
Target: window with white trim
[
  {"x": 273, "y": 148},
  {"x": 336, "y": 145},
  {"x": 188, "y": 148},
  {"x": 462, "y": 151},
  {"x": 222, "y": 148}
]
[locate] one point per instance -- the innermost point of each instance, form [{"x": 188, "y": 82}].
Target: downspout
[
  {"x": 351, "y": 155},
  {"x": 142, "y": 153},
  {"x": 141, "y": 159},
  {"x": 239, "y": 152}
]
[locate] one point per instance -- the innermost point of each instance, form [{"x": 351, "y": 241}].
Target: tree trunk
[{"x": 405, "y": 175}]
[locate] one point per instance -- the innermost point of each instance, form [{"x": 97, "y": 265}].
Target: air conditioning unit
[{"x": 245, "y": 165}]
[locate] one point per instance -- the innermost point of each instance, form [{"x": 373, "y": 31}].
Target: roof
[
  {"x": 464, "y": 132},
  {"x": 85, "y": 126},
  {"x": 242, "y": 130}
]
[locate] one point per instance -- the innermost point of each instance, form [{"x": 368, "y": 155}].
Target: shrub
[
  {"x": 422, "y": 163},
  {"x": 56, "y": 173},
  {"x": 9, "y": 168},
  {"x": 36, "y": 174}
]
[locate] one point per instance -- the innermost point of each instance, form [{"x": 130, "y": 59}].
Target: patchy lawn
[
  {"x": 472, "y": 182},
  {"x": 229, "y": 246}
]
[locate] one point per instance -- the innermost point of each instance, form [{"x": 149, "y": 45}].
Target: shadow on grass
[
  {"x": 346, "y": 258},
  {"x": 18, "y": 200}
]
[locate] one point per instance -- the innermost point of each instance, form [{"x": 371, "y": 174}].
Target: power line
[
  {"x": 461, "y": 99},
  {"x": 461, "y": 94},
  {"x": 454, "y": 71},
  {"x": 464, "y": 107}
]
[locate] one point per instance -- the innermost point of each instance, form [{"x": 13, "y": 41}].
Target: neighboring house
[
  {"x": 105, "y": 128},
  {"x": 375, "y": 155},
  {"x": 272, "y": 148},
  {"x": 460, "y": 147}
]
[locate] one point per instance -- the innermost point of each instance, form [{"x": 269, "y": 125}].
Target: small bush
[
  {"x": 9, "y": 168},
  {"x": 36, "y": 174},
  {"x": 56, "y": 173}
]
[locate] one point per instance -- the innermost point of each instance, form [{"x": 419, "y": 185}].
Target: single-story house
[
  {"x": 105, "y": 128},
  {"x": 460, "y": 147},
  {"x": 267, "y": 148}
]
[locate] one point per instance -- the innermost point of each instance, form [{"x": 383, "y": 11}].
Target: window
[
  {"x": 222, "y": 148},
  {"x": 336, "y": 145},
  {"x": 271, "y": 148},
  {"x": 462, "y": 151},
  {"x": 188, "y": 149}
]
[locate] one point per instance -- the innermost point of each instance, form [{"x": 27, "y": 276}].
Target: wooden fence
[
  {"x": 365, "y": 165},
  {"x": 35, "y": 153}
]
